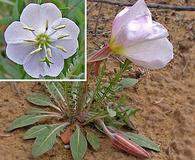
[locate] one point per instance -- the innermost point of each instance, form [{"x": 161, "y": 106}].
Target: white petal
[
  {"x": 70, "y": 45},
  {"x": 33, "y": 66},
  {"x": 139, "y": 9},
  {"x": 135, "y": 31},
  {"x": 140, "y": 30},
  {"x": 15, "y": 33},
  {"x": 70, "y": 28},
  {"x": 157, "y": 31},
  {"x": 153, "y": 54},
  {"x": 57, "y": 66},
  {"x": 35, "y": 15},
  {"x": 19, "y": 51},
  {"x": 37, "y": 69}
]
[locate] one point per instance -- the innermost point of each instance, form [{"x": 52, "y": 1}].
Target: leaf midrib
[{"x": 50, "y": 135}]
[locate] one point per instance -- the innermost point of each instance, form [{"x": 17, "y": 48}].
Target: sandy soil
[{"x": 167, "y": 96}]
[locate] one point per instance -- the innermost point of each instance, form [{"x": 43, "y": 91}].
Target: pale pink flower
[{"x": 140, "y": 39}]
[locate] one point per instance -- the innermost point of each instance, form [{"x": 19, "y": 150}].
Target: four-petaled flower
[
  {"x": 137, "y": 37},
  {"x": 41, "y": 40}
]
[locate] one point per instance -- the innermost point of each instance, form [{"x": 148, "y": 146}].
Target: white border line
[{"x": 57, "y": 80}]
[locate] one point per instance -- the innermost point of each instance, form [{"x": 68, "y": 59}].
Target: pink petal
[
  {"x": 153, "y": 54},
  {"x": 139, "y": 9}
]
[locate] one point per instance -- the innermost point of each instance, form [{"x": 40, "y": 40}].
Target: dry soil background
[{"x": 167, "y": 96}]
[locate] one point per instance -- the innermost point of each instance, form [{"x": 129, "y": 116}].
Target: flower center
[
  {"x": 115, "y": 47},
  {"x": 43, "y": 40}
]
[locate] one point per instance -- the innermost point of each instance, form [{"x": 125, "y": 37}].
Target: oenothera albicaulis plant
[
  {"x": 76, "y": 105},
  {"x": 41, "y": 40},
  {"x": 138, "y": 38}
]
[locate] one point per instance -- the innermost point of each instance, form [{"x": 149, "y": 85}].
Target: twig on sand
[
  {"x": 150, "y": 5},
  {"x": 5, "y": 135},
  {"x": 159, "y": 101},
  {"x": 15, "y": 88},
  {"x": 96, "y": 25}
]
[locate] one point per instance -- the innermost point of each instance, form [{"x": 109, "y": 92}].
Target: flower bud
[{"x": 122, "y": 143}]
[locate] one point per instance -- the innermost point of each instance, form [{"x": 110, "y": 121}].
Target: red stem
[{"x": 100, "y": 55}]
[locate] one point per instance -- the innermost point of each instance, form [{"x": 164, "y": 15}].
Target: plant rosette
[{"x": 76, "y": 106}]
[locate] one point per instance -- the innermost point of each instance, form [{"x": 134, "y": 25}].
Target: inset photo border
[{"x": 43, "y": 40}]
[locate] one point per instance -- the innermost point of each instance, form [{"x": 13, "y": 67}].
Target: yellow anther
[
  {"x": 63, "y": 36},
  {"x": 49, "y": 52},
  {"x": 29, "y": 29},
  {"x": 61, "y": 48},
  {"x": 60, "y": 27},
  {"x": 30, "y": 40},
  {"x": 36, "y": 51}
]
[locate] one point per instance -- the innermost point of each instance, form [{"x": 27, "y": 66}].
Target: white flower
[
  {"x": 137, "y": 37},
  {"x": 41, "y": 40}
]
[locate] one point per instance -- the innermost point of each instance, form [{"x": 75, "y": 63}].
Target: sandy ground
[{"x": 167, "y": 96}]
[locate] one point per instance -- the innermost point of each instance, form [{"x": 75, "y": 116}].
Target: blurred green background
[{"x": 10, "y": 11}]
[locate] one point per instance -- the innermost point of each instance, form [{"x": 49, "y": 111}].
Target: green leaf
[
  {"x": 15, "y": 13},
  {"x": 93, "y": 141},
  {"x": 46, "y": 140},
  {"x": 8, "y": 2},
  {"x": 128, "y": 82},
  {"x": 142, "y": 141},
  {"x": 111, "y": 112},
  {"x": 12, "y": 69},
  {"x": 131, "y": 111},
  {"x": 33, "y": 110},
  {"x": 56, "y": 90},
  {"x": 20, "y": 5},
  {"x": 75, "y": 67},
  {"x": 40, "y": 100},
  {"x": 35, "y": 131},
  {"x": 78, "y": 144},
  {"x": 24, "y": 120},
  {"x": 5, "y": 20}
]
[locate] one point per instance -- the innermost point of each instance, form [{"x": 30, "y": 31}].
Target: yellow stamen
[
  {"x": 63, "y": 36},
  {"x": 46, "y": 25},
  {"x": 49, "y": 52},
  {"x": 30, "y": 40},
  {"x": 61, "y": 48},
  {"x": 60, "y": 27},
  {"x": 28, "y": 28},
  {"x": 36, "y": 51}
]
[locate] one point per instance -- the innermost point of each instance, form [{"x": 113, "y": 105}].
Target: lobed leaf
[
  {"x": 56, "y": 90},
  {"x": 111, "y": 112}
]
